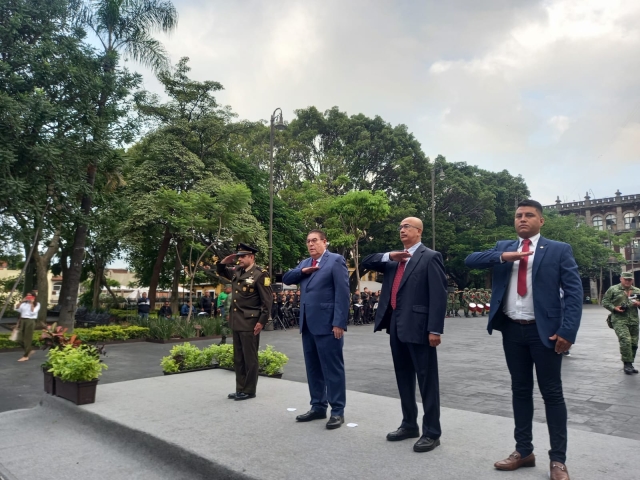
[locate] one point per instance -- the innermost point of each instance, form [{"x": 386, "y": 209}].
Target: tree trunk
[
  {"x": 355, "y": 258},
  {"x": 30, "y": 274},
  {"x": 157, "y": 268},
  {"x": 70, "y": 301},
  {"x": 42, "y": 263},
  {"x": 177, "y": 270},
  {"x": 64, "y": 270},
  {"x": 97, "y": 282}
]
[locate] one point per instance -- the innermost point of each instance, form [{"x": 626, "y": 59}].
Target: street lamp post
[
  {"x": 276, "y": 124},
  {"x": 433, "y": 204}
]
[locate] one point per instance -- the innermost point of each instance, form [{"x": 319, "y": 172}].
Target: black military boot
[
  {"x": 635, "y": 350},
  {"x": 466, "y": 315},
  {"x": 628, "y": 368}
]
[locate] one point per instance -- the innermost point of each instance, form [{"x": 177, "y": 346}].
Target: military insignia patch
[{"x": 267, "y": 281}]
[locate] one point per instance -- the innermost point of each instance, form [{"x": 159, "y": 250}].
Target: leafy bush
[
  {"x": 271, "y": 361},
  {"x": 225, "y": 356},
  {"x": 211, "y": 353},
  {"x": 186, "y": 357},
  {"x": 6, "y": 343},
  {"x": 80, "y": 364},
  {"x": 106, "y": 333},
  {"x": 185, "y": 328},
  {"x": 161, "y": 328},
  {"x": 210, "y": 325},
  {"x": 140, "y": 321}
]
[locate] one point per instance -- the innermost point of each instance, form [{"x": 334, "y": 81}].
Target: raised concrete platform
[{"x": 183, "y": 426}]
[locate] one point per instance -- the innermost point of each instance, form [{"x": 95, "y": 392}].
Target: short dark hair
[
  {"x": 321, "y": 234},
  {"x": 531, "y": 203}
]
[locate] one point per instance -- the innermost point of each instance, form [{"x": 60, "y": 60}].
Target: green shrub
[
  {"x": 6, "y": 343},
  {"x": 210, "y": 354},
  {"x": 71, "y": 364},
  {"x": 271, "y": 361},
  {"x": 210, "y": 326},
  {"x": 137, "y": 332},
  {"x": 185, "y": 328},
  {"x": 161, "y": 328},
  {"x": 185, "y": 357},
  {"x": 225, "y": 356}
]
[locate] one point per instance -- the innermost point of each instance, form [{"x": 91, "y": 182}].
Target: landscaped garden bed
[{"x": 189, "y": 358}]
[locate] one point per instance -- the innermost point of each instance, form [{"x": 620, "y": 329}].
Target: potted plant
[
  {"x": 53, "y": 337},
  {"x": 76, "y": 371},
  {"x": 271, "y": 362}
]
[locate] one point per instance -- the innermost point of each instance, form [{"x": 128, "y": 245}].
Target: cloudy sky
[{"x": 545, "y": 89}]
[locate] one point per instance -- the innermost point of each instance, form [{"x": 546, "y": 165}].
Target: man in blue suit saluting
[
  {"x": 537, "y": 304},
  {"x": 324, "y": 311}
]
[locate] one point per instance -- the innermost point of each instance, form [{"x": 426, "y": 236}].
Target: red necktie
[
  {"x": 314, "y": 262},
  {"x": 396, "y": 282},
  {"x": 522, "y": 269}
]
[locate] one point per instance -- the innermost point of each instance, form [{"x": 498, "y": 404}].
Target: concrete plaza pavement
[{"x": 473, "y": 373}]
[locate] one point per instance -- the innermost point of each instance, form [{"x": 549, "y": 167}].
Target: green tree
[
  {"x": 349, "y": 217},
  {"x": 122, "y": 26}
]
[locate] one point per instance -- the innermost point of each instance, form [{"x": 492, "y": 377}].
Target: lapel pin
[{"x": 541, "y": 246}]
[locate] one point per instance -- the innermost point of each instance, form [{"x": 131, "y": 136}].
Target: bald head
[
  {"x": 410, "y": 231},
  {"x": 416, "y": 222}
]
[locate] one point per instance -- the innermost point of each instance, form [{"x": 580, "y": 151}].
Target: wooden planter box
[
  {"x": 80, "y": 393},
  {"x": 176, "y": 340},
  {"x": 192, "y": 370},
  {"x": 49, "y": 382}
]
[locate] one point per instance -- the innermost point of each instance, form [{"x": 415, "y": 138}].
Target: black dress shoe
[
  {"x": 232, "y": 396},
  {"x": 335, "y": 421},
  {"x": 425, "y": 444},
  {"x": 244, "y": 396},
  {"x": 402, "y": 434},
  {"x": 311, "y": 415}
]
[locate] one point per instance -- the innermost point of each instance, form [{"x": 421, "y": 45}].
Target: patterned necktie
[
  {"x": 522, "y": 269},
  {"x": 396, "y": 282},
  {"x": 314, "y": 262}
]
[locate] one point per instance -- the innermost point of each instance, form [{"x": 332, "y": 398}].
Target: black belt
[{"x": 522, "y": 322}]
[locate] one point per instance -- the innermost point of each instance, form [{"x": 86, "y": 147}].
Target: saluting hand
[
  {"x": 228, "y": 259},
  {"x": 310, "y": 270},
  {"x": 399, "y": 256},
  {"x": 515, "y": 256}
]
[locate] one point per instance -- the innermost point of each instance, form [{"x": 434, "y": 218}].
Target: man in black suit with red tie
[{"x": 412, "y": 307}]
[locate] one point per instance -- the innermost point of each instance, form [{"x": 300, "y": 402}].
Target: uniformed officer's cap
[
  {"x": 244, "y": 249},
  {"x": 627, "y": 275}
]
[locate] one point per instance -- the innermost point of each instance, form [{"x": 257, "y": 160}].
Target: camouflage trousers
[{"x": 627, "y": 333}]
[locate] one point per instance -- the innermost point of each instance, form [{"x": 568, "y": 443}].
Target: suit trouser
[
  {"x": 245, "y": 361},
  {"x": 411, "y": 360},
  {"x": 524, "y": 350},
  {"x": 325, "y": 371}
]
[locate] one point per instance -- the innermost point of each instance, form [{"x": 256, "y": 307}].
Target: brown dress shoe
[
  {"x": 558, "y": 471},
  {"x": 515, "y": 461}
]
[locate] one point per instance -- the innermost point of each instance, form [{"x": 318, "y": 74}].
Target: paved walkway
[
  {"x": 145, "y": 427},
  {"x": 473, "y": 374}
]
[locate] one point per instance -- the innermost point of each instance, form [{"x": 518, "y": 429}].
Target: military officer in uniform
[
  {"x": 622, "y": 301},
  {"x": 248, "y": 314},
  {"x": 449, "y": 305},
  {"x": 456, "y": 303}
]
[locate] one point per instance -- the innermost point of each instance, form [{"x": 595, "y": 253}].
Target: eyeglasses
[
  {"x": 313, "y": 240},
  {"x": 406, "y": 226}
]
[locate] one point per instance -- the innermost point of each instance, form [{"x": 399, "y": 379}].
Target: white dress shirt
[{"x": 515, "y": 306}]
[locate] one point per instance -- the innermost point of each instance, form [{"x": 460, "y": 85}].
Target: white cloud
[{"x": 547, "y": 89}]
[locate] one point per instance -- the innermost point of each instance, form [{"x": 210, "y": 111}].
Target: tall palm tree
[
  {"x": 122, "y": 26},
  {"x": 126, "y": 26}
]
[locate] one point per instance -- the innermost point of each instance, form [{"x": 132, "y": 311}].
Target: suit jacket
[
  {"x": 421, "y": 298},
  {"x": 554, "y": 268},
  {"x": 252, "y": 296},
  {"x": 324, "y": 299}
]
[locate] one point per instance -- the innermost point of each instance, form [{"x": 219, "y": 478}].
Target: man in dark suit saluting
[
  {"x": 412, "y": 308},
  {"x": 324, "y": 311},
  {"x": 537, "y": 304}
]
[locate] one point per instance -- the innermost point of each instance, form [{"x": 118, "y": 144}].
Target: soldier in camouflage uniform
[
  {"x": 482, "y": 300},
  {"x": 473, "y": 298},
  {"x": 456, "y": 303},
  {"x": 449, "y": 304},
  {"x": 226, "y": 306},
  {"x": 624, "y": 317},
  {"x": 466, "y": 298},
  {"x": 248, "y": 314}
]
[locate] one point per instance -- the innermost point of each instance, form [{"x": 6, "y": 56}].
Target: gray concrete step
[{"x": 184, "y": 426}]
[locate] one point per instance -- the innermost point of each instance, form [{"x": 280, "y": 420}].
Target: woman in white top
[{"x": 28, "y": 310}]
